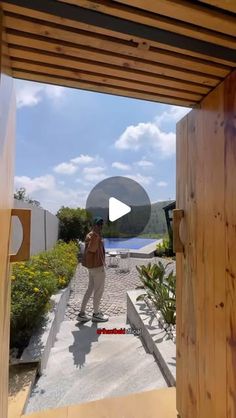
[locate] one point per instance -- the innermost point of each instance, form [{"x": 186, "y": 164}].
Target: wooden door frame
[
  {"x": 6, "y": 108},
  {"x": 206, "y": 269},
  {"x": 7, "y": 151}
]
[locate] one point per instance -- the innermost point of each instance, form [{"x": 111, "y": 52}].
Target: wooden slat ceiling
[{"x": 169, "y": 51}]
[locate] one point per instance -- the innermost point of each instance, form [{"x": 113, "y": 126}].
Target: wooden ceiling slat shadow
[
  {"x": 79, "y": 47},
  {"x": 144, "y": 15},
  {"x": 229, "y": 5}
]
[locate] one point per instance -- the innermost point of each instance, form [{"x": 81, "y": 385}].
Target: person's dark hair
[{"x": 98, "y": 220}]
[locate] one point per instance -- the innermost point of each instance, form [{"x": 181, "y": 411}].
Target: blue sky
[{"x": 68, "y": 140}]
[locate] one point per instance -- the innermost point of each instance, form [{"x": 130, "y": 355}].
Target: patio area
[
  {"x": 93, "y": 366},
  {"x": 114, "y": 301}
]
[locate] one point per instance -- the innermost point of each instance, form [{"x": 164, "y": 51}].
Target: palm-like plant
[{"x": 160, "y": 288}]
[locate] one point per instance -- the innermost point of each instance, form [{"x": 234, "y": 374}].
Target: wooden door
[
  {"x": 7, "y": 139},
  {"x": 206, "y": 270}
]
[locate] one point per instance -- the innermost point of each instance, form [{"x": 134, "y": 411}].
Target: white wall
[
  {"x": 44, "y": 229},
  {"x": 52, "y": 228}
]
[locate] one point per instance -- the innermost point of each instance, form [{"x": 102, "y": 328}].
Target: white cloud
[
  {"x": 120, "y": 166},
  {"x": 35, "y": 184},
  {"x": 173, "y": 114},
  {"x": 72, "y": 166},
  {"x": 56, "y": 198},
  {"x": 152, "y": 134},
  {"x": 50, "y": 194},
  {"x": 30, "y": 94},
  {"x": 94, "y": 173},
  {"x": 93, "y": 170},
  {"x": 144, "y": 163},
  {"x": 82, "y": 159},
  {"x": 95, "y": 177},
  {"x": 54, "y": 92},
  {"x": 147, "y": 135},
  {"x": 162, "y": 184},
  {"x": 144, "y": 180},
  {"x": 65, "y": 168}
]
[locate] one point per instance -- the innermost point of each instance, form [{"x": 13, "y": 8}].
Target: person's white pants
[{"x": 96, "y": 286}]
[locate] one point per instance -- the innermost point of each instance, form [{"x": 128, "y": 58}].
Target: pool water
[{"x": 130, "y": 243}]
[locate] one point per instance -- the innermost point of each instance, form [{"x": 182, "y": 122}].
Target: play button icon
[
  {"x": 123, "y": 204},
  {"x": 117, "y": 209}
]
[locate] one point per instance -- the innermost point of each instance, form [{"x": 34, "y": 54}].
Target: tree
[
  {"x": 20, "y": 194},
  {"x": 74, "y": 223}
]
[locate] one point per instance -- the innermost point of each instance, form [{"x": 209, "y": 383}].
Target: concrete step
[{"x": 85, "y": 366}]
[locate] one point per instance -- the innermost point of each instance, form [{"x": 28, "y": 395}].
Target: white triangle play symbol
[{"x": 117, "y": 209}]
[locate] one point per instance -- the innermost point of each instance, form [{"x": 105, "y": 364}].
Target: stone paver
[{"x": 117, "y": 284}]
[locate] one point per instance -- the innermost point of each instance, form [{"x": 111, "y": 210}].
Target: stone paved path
[
  {"x": 117, "y": 284},
  {"x": 84, "y": 366}
]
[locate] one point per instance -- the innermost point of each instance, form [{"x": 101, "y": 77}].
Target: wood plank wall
[
  {"x": 206, "y": 271},
  {"x": 7, "y": 135}
]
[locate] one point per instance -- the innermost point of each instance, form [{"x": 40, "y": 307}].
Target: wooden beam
[
  {"x": 152, "y": 19},
  {"x": 70, "y": 55},
  {"x": 79, "y": 75},
  {"x": 87, "y": 40},
  {"x": 133, "y": 28},
  {"x": 22, "y": 12},
  {"x": 185, "y": 11},
  {"x": 101, "y": 88},
  {"x": 229, "y": 5},
  {"x": 126, "y": 74}
]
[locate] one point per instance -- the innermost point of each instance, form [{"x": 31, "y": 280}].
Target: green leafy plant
[
  {"x": 163, "y": 248},
  {"x": 160, "y": 288},
  {"x": 61, "y": 260},
  {"x": 20, "y": 194},
  {"x": 33, "y": 283},
  {"x": 74, "y": 223}
]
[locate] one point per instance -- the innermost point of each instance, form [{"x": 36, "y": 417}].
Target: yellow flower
[
  {"x": 13, "y": 278},
  {"x": 36, "y": 290},
  {"x": 61, "y": 280}
]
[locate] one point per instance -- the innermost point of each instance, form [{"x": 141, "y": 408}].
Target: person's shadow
[{"x": 83, "y": 339}]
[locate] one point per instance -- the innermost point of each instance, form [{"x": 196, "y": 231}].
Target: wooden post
[
  {"x": 206, "y": 271},
  {"x": 7, "y": 140}
]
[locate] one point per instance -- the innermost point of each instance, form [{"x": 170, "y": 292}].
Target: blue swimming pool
[{"x": 131, "y": 243}]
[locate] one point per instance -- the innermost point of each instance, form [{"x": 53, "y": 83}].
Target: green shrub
[
  {"x": 163, "y": 248},
  {"x": 61, "y": 260},
  {"x": 74, "y": 224},
  {"x": 33, "y": 283},
  {"x": 30, "y": 295},
  {"x": 160, "y": 288}
]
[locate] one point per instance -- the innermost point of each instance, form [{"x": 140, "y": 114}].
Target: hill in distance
[
  {"x": 156, "y": 225},
  {"x": 157, "y": 222}
]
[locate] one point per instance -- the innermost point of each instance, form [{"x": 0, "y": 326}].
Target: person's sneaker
[
  {"x": 83, "y": 317},
  {"x": 100, "y": 317}
]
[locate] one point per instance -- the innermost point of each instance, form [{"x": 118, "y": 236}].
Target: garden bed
[
  {"x": 43, "y": 340},
  {"x": 140, "y": 315},
  {"x": 39, "y": 294}
]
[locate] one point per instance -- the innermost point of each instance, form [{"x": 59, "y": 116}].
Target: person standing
[{"x": 94, "y": 260}]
